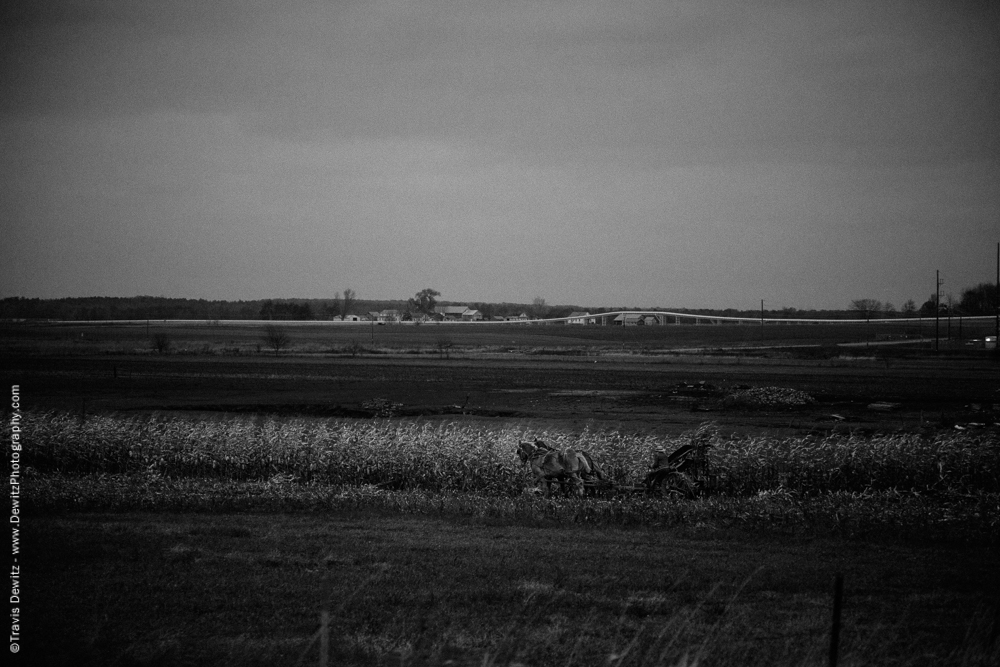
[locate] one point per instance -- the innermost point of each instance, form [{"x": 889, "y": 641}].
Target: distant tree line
[
  {"x": 164, "y": 308},
  {"x": 978, "y": 300}
]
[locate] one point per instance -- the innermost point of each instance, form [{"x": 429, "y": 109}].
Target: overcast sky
[{"x": 636, "y": 153}]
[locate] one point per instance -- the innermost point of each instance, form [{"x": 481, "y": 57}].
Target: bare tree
[
  {"x": 538, "y": 307},
  {"x": 444, "y": 345},
  {"x": 909, "y": 308},
  {"x": 348, "y": 300},
  {"x": 424, "y": 300},
  {"x": 865, "y": 307},
  {"x": 354, "y": 347},
  {"x": 332, "y": 308},
  {"x": 275, "y": 338},
  {"x": 161, "y": 343}
]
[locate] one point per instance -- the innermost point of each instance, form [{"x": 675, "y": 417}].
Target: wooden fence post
[
  {"x": 324, "y": 638},
  {"x": 838, "y": 594}
]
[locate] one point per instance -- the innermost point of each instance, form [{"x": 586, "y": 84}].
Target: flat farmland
[
  {"x": 206, "y": 502},
  {"x": 663, "y": 379},
  {"x": 331, "y": 337}
]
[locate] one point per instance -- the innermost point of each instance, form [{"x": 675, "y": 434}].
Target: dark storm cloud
[
  {"x": 131, "y": 57},
  {"x": 816, "y": 153}
]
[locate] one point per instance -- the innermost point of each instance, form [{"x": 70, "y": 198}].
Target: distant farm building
[
  {"x": 628, "y": 320},
  {"x": 579, "y": 317},
  {"x": 385, "y": 316},
  {"x": 453, "y": 313},
  {"x": 458, "y": 314}
]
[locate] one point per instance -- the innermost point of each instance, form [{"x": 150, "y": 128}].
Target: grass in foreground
[{"x": 238, "y": 589}]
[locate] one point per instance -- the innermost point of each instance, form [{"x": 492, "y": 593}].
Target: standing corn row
[{"x": 459, "y": 457}]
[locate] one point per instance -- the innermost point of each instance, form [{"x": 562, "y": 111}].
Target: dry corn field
[{"x": 455, "y": 457}]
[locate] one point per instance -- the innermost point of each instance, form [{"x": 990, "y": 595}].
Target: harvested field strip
[{"x": 969, "y": 519}]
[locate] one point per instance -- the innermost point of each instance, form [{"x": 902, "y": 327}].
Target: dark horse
[{"x": 569, "y": 467}]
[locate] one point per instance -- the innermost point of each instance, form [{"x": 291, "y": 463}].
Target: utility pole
[
  {"x": 937, "y": 311},
  {"x": 997, "y": 332},
  {"x": 868, "y": 325},
  {"x": 762, "y": 320},
  {"x": 948, "y": 336}
]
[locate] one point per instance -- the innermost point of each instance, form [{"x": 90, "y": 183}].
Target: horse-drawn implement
[{"x": 682, "y": 473}]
